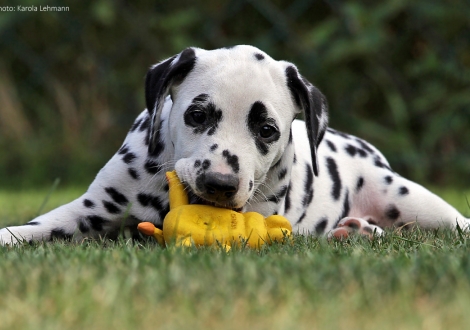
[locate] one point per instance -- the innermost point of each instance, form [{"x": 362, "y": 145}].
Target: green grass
[{"x": 412, "y": 280}]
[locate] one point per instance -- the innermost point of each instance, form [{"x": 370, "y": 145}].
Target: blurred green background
[{"x": 396, "y": 73}]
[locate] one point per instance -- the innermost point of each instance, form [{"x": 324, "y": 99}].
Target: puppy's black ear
[
  {"x": 158, "y": 82},
  {"x": 314, "y": 106}
]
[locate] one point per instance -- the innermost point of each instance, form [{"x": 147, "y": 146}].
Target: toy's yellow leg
[
  {"x": 278, "y": 227},
  {"x": 177, "y": 195}
]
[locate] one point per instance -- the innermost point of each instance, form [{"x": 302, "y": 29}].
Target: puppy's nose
[{"x": 220, "y": 186}]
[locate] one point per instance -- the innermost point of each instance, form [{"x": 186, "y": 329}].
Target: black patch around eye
[
  {"x": 334, "y": 175},
  {"x": 256, "y": 120},
  {"x": 203, "y": 115}
]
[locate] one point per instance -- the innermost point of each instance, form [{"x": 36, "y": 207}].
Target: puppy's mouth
[{"x": 196, "y": 199}]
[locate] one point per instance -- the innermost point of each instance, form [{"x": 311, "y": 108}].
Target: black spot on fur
[
  {"x": 111, "y": 207},
  {"x": 302, "y": 217},
  {"x": 308, "y": 187},
  {"x": 403, "y": 191},
  {"x": 145, "y": 125},
  {"x": 250, "y": 185},
  {"x": 97, "y": 222},
  {"x": 129, "y": 158},
  {"x": 158, "y": 146},
  {"x": 83, "y": 226},
  {"x": 334, "y": 175},
  {"x": 135, "y": 125},
  {"x": 359, "y": 184},
  {"x": 88, "y": 203},
  {"x": 206, "y": 164},
  {"x": 361, "y": 152},
  {"x": 331, "y": 145},
  {"x": 257, "y": 118},
  {"x": 259, "y": 56},
  {"x": 133, "y": 173},
  {"x": 287, "y": 203},
  {"x": 214, "y": 146},
  {"x": 152, "y": 167},
  {"x": 33, "y": 223},
  {"x": 392, "y": 212},
  {"x": 321, "y": 225},
  {"x": 388, "y": 179},
  {"x": 116, "y": 196},
  {"x": 351, "y": 150},
  {"x": 346, "y": 207},
  {"x": 277, "y": 197},
  {"x": 59, "y": 233},
  {"x": 282, "y": 174},
  {"x": 364, "y": 146},
  {"x": 378, "y": 162},
  {"x": 335, "y": 132},
  {"x": 123, "y": 150},
  {"x": 197, "y": 163},
  {"x": 232, "y": 160},
  {"x": 154, "y": 202}
]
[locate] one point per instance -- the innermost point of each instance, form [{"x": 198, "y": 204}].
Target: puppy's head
[{"x": 231, "y": 118}]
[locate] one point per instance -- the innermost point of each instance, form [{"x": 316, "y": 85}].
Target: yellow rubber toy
[{"x": 194, "y": 224}]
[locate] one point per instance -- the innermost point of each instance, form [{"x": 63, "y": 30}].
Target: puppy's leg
[{"x": 129, "y": 189}]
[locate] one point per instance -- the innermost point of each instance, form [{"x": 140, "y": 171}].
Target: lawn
[{"x": 411, "y": 280}]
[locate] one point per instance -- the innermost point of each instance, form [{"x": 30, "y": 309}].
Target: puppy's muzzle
[{"x": 217, "y": 187}]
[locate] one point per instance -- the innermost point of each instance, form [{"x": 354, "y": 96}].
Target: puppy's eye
[
  {"x": 198, "y": 117},
  {"x": 267, "y": 131}
]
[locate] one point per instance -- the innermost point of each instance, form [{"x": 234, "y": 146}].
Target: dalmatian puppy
[{"x": 225, "y": 120}]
